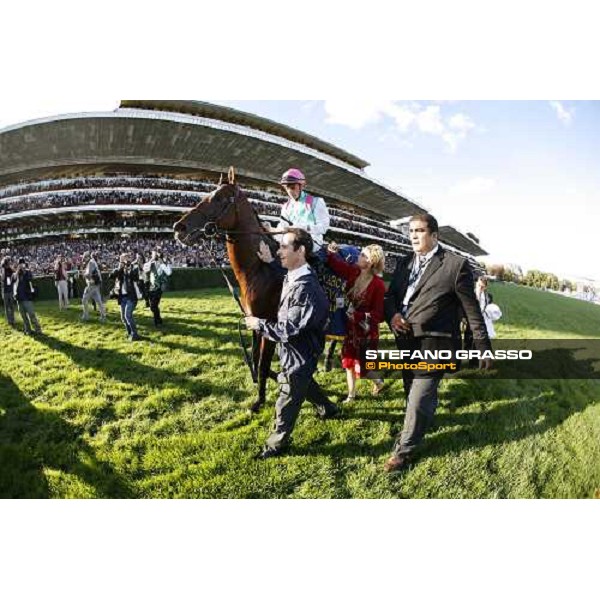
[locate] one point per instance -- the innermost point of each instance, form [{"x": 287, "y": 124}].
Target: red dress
[{"x": 370, "y": 301}]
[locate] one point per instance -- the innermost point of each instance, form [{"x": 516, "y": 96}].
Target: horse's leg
[{"x": 267, "y": 348}]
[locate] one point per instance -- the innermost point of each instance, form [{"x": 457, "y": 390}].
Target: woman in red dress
[{"x": 365, "y": 290}]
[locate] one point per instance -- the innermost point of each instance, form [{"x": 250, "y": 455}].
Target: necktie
[{"x": 416, "y": 273}]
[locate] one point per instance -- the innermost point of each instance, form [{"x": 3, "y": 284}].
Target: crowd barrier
[{"x": 181, "y": 279}]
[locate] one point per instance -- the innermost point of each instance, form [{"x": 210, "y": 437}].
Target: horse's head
[{"x": 217, "y": 212}]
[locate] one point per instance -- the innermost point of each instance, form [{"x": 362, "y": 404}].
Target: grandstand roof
[
  {"x": 232, "y": 115},
  {"x": 459, "y": 240},
  {"x": 159, "y": 141}
]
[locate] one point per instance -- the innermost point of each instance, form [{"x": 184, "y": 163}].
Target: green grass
[{"x": 86, "y": 414}]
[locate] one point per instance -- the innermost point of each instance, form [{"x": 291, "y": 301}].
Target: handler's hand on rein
[
  {"x": 332, "y": 247},
  {"x": 264, "y": 253},
  {"x": 251, "y": 322}
]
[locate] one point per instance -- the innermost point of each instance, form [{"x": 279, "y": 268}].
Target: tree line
[{"x": 533, "y": 278}]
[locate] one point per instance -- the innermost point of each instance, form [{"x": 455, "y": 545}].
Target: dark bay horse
[{"x": 228, "y": 211}]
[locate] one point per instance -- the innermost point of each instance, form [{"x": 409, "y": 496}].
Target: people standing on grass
[
  {"x": 157, "y": 271},
  {"x": 488, "y": 310},
  {"x": 485, "y": 299},
  {"x": 127, "y": 292},
  {"x": 93, "y": 287},
  {"x": 144, "y": 281},
  {"x": 6, "y": 274},
  {"x": 365, "y": 290},
  {"x": 300, "y": 332},
  {"x": 428, "y": 290},
  {"x": 335, "y": 288},
  {"x": 24, "y": 295},
  {"x": 61, "y": 282}
]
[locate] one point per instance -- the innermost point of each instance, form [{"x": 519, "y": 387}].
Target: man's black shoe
[
  {"x": 332, "y": 413},
  {"x": 397, "y": 463},
  {"x": 267, "y": 453}
]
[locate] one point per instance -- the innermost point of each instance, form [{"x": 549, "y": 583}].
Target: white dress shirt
[{"x": 416, "y": 273}]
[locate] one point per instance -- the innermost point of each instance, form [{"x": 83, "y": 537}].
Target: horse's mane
[{"x": 270, "y": 241}]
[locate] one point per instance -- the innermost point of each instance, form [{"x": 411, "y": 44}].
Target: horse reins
[{"x": 211, "y": 230}]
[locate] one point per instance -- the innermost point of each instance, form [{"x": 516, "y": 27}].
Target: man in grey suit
[{"x": 427, "y": 291}]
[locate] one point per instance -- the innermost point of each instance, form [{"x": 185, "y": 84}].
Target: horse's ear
[
  {"x": 220, "y": 181},
  {"x": 231, "y": 176}
]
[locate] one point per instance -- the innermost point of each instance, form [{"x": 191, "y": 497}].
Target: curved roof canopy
[
  {"x": 452, "y": 236},
  {"x": 159, "y": 141},
  {"x": 239, "y": 117}
]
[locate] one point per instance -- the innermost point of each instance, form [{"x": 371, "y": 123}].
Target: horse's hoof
[{"x": 257, "y": 406}]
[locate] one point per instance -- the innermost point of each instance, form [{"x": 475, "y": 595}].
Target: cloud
[
  {"x": 392, "y": 138},
  {"x": 460, "y": 122},
  {"x": 355, "y": 113},
  {"x": 403, "y": 116},
  {"x": 472, "y": 187},
  {"x": 410, "y": 118},
  {"x": 308, "y": 106},
  {"x": 430, "y": 120},
  {"x": 562, "y": 113}
]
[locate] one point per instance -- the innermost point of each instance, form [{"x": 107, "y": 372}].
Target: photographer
[
  {"x": 24, "y": 293},
  {"x": 61, "y": 283},
  {"x": 127, "y": 292},
  {"x": 158, "y": 272},
  {"x": 6, "y": 274},
  {"x": 93, "y": 288},
  {"x": 144, "y": 282}
]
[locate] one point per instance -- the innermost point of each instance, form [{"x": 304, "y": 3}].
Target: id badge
[{"x": 339, "y": 302}]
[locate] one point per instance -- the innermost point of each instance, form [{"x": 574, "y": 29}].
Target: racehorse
[{"x": 227, "y": 211}]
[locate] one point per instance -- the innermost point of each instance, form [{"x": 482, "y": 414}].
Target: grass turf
[{"x": 86, "y": 414}]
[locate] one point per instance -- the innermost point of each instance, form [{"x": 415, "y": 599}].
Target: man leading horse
[{"x": 228, "y": 213}]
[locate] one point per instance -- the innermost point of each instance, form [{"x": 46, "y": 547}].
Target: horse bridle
[{"x": 212, "y": 228}]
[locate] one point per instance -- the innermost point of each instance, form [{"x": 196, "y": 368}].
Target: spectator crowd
[
  {"x": 148, "y": 190},
  {"x": 41, "y": 257},
  {"x": 162, "y": 191}
]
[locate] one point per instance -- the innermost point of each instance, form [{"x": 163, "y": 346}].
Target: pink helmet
[{"x": 293, "y": 176}]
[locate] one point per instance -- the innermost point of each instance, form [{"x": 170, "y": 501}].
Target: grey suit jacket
[{"x": 445, "y": 287}]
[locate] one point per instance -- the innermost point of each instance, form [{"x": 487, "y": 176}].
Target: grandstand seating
[{"x": 96, "y": 212}]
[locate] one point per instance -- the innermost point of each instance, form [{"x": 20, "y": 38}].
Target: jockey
[{"x": 303, "y": 210}]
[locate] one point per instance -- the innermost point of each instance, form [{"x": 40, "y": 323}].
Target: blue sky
[{"x": 523, "y": 176}]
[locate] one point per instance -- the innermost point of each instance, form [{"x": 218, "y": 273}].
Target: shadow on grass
[
  {"x": 122, "y": 367},
  {"x": 32, "y": 440},
  {"x": 168, "y": 310},
  {"x": 199, "y": 331},
  {"x": 575, "y": 359},
  {"x": 207, "y": 319},
  {"x": 507, "y": 415},
  {"x": 508, "y": 419}
]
